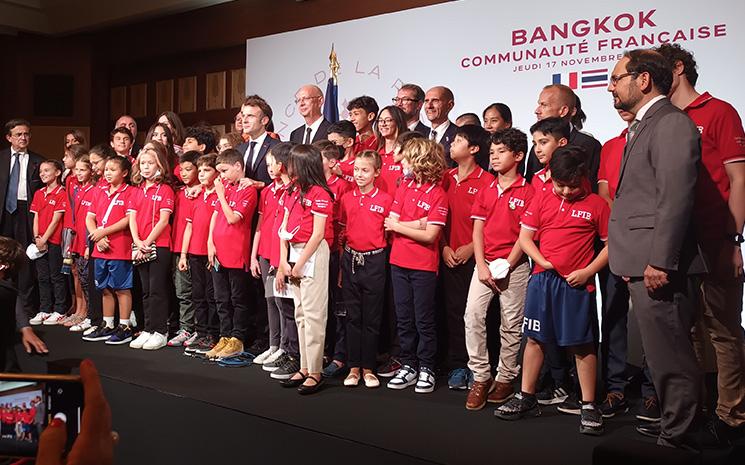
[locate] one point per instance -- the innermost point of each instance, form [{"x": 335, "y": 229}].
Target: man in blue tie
[{"x": 19, "y": 179}]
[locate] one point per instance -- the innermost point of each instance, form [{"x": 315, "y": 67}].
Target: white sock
[
  {"x": 109, "y": 321},
  {"x": 124, "y": 322},
  {"x": 273, "y": 348}
]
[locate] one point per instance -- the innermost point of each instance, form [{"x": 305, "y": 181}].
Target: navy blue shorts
[
  {"x": 557, "y": 312},
  {"x": 113, "y": 274}
]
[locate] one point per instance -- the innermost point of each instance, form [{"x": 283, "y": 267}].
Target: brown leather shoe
[
  {"x": 477, "y": 394},
  {"x": 501, "y": 393}
]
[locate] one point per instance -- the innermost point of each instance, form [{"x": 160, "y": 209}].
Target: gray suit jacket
[{"x": 650, "y": 223}]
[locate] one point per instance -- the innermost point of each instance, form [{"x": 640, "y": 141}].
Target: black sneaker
[
  {"x": 551, "y": 396},
  {"x": 202, "y": 345},
  {"x": 571, "y": 405},
  {"x": 389, "y": 368},
  {"x": 101, "y": 334},
  {"x": 289, "y": 368},
  {"x": 614, "y": 403},
  {"x": 122, "y": 335},
  {"x": 275, "y": 365},
  {"x": 518, "y": 407},
  {"x": 649, "y": 410},
  {"x": 591, "y": 420}
]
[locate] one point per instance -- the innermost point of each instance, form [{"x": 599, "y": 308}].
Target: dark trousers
[
  {"x": 157, "y": 288},
  {"x": 203, "y": 297},
  {"x": 456, "y": 282},
  {"x": 614, "y": 331},
  {"x": 289, "y": 341},
  {"x": 336, "y": 328},
  {"x": 364, "y": 294},
  {"x": 52, "y": 283},
  {"x": 665, "y": 320},
  {"x": 18, "y": 226},
  {"x": 414, "y": 294},
  {"x": 231, "y": 296},
  {"x": 388, "y": 341},
  {"x": 273, "y": 313}
]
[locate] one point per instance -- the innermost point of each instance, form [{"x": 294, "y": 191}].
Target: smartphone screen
[{"x": 27, "y": 407}]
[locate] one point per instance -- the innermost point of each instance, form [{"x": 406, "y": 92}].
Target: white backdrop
[{"x": 486, "y": 52}]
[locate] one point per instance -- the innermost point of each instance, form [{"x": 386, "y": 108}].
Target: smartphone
[{"x": 29, "y": 402}]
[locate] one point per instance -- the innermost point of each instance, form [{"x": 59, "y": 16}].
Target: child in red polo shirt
[
  {"x": 362, "y": 113},
  {"x": 461, "y": 184},
  {"x": 194, "y": 258},
  {"x": 363, "y": 212},
  {"x": 418, "y": 214},
  {"x": 336, "y": 345},
  {"x": 392, "y": 173},
  {"x": 107, "y": 223},
  {"x": 496, "y": 217},
  {"x": 305, "y": 242},
  {"x": 343, "y": 133},
  {"x": 548, "y": 135},
  {"x": 229, "y": 253},
  {"x": 182, "y": 277},
  {"x": 261, "y": 252},
  {"x": 48, "y": 206},
  {"x": 560, "y": 302}
]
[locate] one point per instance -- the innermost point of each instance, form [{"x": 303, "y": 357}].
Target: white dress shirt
[
  {"x": 313, "y": 129},
  {"x": 259, "y": 142},
  {"x": 22, "y": 182}
]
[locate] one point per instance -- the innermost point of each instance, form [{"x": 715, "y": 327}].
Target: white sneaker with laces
[
  {"x": 54, "y": 318},
  {"x": 82, "y": 326},
  {"x": 132, "y": 320},
  {"x": 155, "y": 342},
  {"x": 259, "y": 360},
  {"x": 179, "y": 339},
  {"x": 90, "y": 330},
  {"x": 191, "y": 340},
  {"x": 426, "y": 382},
  {"x": 274, "y": 356},
  {"x": 405, "y": 377},
  {"x": 140, "y": 340},
  {"x": 38, "y": 318}
]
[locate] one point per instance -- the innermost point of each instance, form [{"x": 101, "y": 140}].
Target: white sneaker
[
  {"x": 274, "y": 356},
  {"x": 179, "y": 339},
  {"x": 140, "y": 340},
  {"x": 405, "y": 377},
  {"x": 259, "y": 360},
  {"x": 82, "y": 326},
  {"x": 426, "y": 382},
  {"x": 132, "y": 320},
  {"x": 38, "y": 318},
  {"x": 155, "y": 342},
  {"x": 191, "y": 340},
  {"x": 54, "y": 319},
  {"x": 89, "y": 330}
]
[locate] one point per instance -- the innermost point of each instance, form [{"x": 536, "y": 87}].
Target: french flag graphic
[{"x": 587, "y": 79}]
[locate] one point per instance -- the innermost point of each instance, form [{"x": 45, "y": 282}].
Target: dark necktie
[
  {"x": 11, "y": 200},
  {"x": 251, "y": 160},
  {"x": 632, "y": 130},
  {"x": 307, "y": 135},
  {"x": 433, "y": 135}
]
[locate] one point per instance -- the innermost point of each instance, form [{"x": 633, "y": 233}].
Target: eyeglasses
[
  {"x": 385, "y": 121},
  {"x": 398, "y": 100},
  {"x": 614, "y": 79},
  {"x": 305, "y": 99}
]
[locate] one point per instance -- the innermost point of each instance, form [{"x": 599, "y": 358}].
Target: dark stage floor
[{"x": 169, "y": 408}]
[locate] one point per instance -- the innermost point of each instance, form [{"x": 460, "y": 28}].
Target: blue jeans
[{"x": 414, "y": 297}]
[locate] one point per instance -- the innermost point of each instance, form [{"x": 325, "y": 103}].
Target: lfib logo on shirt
[
  {"x": 52, "y": 202},
  {"x": 473, "y": 190},
  {"x": 118, "y": 203},
  {"x": 581, "y": 214},
  {"x": 423, "y": 205},
  {"x": 86, "y": 203},
  {"x": 377, "y": 209},
  {"x": 515, "y": 202}
]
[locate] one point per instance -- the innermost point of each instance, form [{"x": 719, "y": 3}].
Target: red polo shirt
[
  {"x": 278, "y": 217},
  {"x": 147, "y": 203},
  {"x": 368, "y": 143},
  {"x": 300, "y": 213},
  {"x": 339, "y": 187},
  {"x": 233, "y": 241},
  {"x": 120, "y": 243},
  {"x": 200, "y": 216},
  {"x": 413, "y": 202},
  {"x": 347, "y": 169},
  {"x": 44, "y": 205},
  {"x": 362, "y": 216},
  {"x": 568, "y": 230},
  {"x": 501, "y": 211},
  {"x": 102, "y": 183},
  {"x": 269, "y": 209},
  {"x": 610, "y": 162},
  {"x": 461, "y": 196},
  {"x": 390, "y": 174},
  {"x": 722, "y": 142},
  {"x": 542, "y": 181},
  {"x": 82, "y": 203},
  {"x": 183, "y": 210}
]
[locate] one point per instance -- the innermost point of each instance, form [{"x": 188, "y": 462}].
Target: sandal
[
  {"x": 352, "y": 379},
  {"x": 371, "y": 381},
  {"x": 291, "y": 383},
  {"x": 73, "y": 320},
  {"x": 304, "y": 389}
]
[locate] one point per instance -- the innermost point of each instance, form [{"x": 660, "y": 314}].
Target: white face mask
[{"x": 286, "y": 235}]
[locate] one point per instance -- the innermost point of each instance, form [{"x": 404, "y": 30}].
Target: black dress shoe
[
  {"x": 291, "y": 383},
  {"x": 650, "y": 430},
  {"x": 304, "y": 389}
]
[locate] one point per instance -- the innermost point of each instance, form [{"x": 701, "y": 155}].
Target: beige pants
[
  {"x": 512, "y": 302},
  {"x": 311, "y": 310}
]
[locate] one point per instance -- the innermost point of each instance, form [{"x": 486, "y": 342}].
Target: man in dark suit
[
  {"x": 651, "y": 240},
  {"x": 309, "y": 100},
  {"x": 438, "y": 102},
  {"x": 410, "y": 99},
  {"x": 559, "y": 101},
  {"x": 126, "y": 121},
  {"x": 19, "y": 180},
  {"x": 256, "y": 116}
]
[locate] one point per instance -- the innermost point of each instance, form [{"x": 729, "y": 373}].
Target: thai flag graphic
[{"x": 587, "y": 79}]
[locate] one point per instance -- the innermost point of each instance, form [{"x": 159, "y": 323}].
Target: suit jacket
[
  {"x": 260, "y": 173},
  {"x": 591, "y": 146},
  {"x": 33, "y": 181},
  {"x": 650, "y": 223},
  {"x": 422, "y": 129},
  {"x": 298, "y": 135},
  {"x": 446, "y": 140}
]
